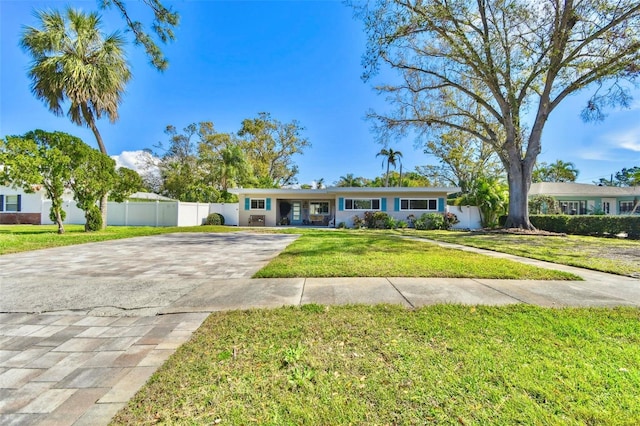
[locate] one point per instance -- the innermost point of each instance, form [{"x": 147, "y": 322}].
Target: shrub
[
  {"x": 214, "y": 219},
  {"x": 377, "y": 220},
  {"x": 544, "y": 204},
  {"x": 342, "y": 225},
  {"x": 595, "y": 225},
  {"x": 380, "y": 220},
  {"x": 450, "y": 219},
  {"x": 93, "y": 218},
  {"x": 402, "y": 224},
  {"x": 390, "y": 223},
  {"x": 551, "y": 223},
  {"x": 430, "y": 221},
  {"x": 358, "y": 222}
]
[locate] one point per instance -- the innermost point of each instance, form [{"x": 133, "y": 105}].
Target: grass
[
  {"x": 19, "y": 238},
  {"x": 387, "y": 365},
  {"x": 611, "y": 255},
  {"x": 372, "y": 254}
]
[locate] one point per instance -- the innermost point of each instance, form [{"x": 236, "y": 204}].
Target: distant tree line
[{"x": 200, "y": 164}]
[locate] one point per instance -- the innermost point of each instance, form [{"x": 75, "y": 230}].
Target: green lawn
[
  {"x": 347, "y": 253},
  {"x": 618, "y": 256},
  {"x": 18, "y": 238},
  {"x": 386, "y": 365},
  {"x": 317, "y": 253}
]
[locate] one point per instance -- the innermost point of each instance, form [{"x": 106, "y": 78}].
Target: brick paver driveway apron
[{"x": 79, "y": 330}]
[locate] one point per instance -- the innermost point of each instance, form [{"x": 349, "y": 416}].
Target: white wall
[
  {"x": 230, "y": 211},
  {"x": 192, "y": 214},
  {"x": 29, "y": 203},
  {"x": 138, "y": 213},
  {"x": 469, "y": 217}
]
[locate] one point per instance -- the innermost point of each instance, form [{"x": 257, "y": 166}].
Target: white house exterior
[
  {"x": 332, "y": 206},
  {"x": 582, "y": 198},
  {"x": 19, "y": 207}
]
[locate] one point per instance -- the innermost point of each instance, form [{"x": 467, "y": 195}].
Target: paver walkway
[{"x": 85, "y": 326}]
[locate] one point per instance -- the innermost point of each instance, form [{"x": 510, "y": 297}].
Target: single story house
[
  {"x": 582, "y": 198},
  {"x": 18, "y": 207},
  {"x": 332, "y": 206}
]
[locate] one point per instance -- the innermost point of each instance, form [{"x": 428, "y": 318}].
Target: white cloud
[
  {"x": 628, "y": 139},
  {"x": 135, "y": 160},
  {"x": 598, "y": 154}
]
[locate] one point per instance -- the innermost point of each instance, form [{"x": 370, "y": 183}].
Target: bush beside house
[{"x": 592, "y": 225}]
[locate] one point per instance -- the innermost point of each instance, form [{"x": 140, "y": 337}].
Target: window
[
  {"x": 257, "y": 204},
  {"x": 419, "y": 204},
  {"x": 362, "y": 204},
  {"x": 319, "y": 207},
  {"x": 626, "y": 207},
  {"x": 573, "y": 207},
  {"x": 11, "y": 203}
]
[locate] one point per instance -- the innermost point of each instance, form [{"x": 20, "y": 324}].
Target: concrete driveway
[
  {"x": 136, "y": 276},
  {"x": 79, "y": 330}
]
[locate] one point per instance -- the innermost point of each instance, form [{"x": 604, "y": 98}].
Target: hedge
[{"x": 594, "y": 225}]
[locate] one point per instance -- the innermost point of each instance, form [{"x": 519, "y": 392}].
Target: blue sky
[{"x": 294, "y": 59}]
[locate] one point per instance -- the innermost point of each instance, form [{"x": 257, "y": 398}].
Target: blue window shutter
[
  {"x": 396, "y": 204},
  {"x": 247, "y": 203},
  {"x": 340, "y": 204},
  {"x": 383, "y": 204},
  {"x": 1, "y": 203},
  {"x": 19, "y": 202},
  {"x": 268, "y": 204},
  {"x": 441, "y": 204}
]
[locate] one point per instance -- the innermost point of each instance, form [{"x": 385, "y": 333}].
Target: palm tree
[
  {"x": 349, "y": 181},
  {"x": 564, "y": 171},
  {"x": 232, "y": 167},
  {"x": 74, "y": 62},
  {"x": 560, "y": 171},
  {"x": 392, "y": 157}
]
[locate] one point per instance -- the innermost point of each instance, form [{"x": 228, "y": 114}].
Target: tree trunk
[
  {"x": 88, "y": 116},
  {"x": 59, "y": 222},
  {"x": 103, "y": 209},
  {"x": 386, "y": 183},
  {"x": 519, "y": 183}
]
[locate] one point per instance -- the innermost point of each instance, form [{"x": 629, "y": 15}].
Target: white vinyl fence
[
  {"x": 469, "y": 217},
  {"x": 230, "y": 211},
  {"x": 153, "y": 213}
]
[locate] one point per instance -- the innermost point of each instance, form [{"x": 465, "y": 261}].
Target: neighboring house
[
  {"x": 581, "y": 198},
  {"x": 331, "y": 206},
  {"x": 18, "y": 207}
]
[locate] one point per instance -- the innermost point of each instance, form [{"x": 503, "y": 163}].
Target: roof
[
  {"x": 343, "y": 190},
  {"x": 581, "y": 189},
  {"x": 149, "y": 196}
]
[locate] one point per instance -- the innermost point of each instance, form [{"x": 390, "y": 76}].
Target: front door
[
  {"x": 609, "y": 206},
  {"x": 296, "y": 213}
]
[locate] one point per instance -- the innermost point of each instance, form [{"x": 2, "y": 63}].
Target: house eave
[{"x": 344, "y": 190}]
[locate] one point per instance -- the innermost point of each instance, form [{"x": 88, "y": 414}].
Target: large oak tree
[{"x": 496, "y": 69}]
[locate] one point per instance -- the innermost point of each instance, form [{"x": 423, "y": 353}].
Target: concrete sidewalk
[{"x": 84, "y": 353}]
